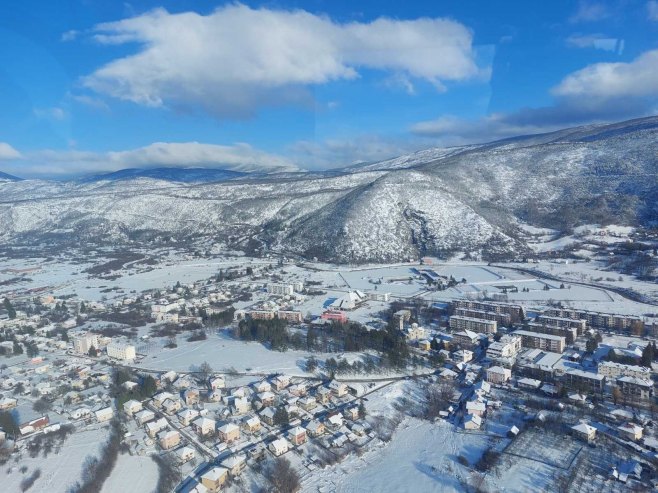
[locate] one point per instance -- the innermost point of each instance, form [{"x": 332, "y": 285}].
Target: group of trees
[
  {"x": 282, "y": 477},
  {"x": 146, "y": 387},
  {"x": 96, "y": 470},
  {"x": 273, "y": 332},
  {"x": 11, "y": 311},
  {"x": 217, "y": 319},
  {"x": 439, "y": 397}
]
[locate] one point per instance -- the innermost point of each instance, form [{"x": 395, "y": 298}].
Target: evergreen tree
[
  {"x": 362, "y": 410},
  {"x": 281, "y": 417},
  {"x": 11, "y": 312}
]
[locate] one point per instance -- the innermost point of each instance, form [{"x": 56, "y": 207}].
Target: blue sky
[{"x": 91, "y": 85}]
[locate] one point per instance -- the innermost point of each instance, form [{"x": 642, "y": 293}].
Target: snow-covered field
[
  {"x": 223, "y": 352},
  {"x": 421, "y": 456},
  {"x": 59, "y": 471},
  {"x": 132, "y": 474}
]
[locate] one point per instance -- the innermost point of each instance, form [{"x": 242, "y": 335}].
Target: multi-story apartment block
[
  {"x": 515, "y": 311},
  {"x": 507, "y": 347},
  {"x": 569, "y": 333},
  {"x": 293, "y": 316},
  {"x": 537, "y": 340},
  {"x": 635, "y": 388},
  {"x": 579, "y": 325},
  {"x": 84, "y": 342},
  {"x": 481, "y": 326},
  {"x": 584, "y": 380},
  {"x": 596, "y": 319},
  {"x": 613, "y": 370},
  {"x": 378, "y": 296},
  {"x": 262, "y": 314},
  {"x": 280, "y": 289},
  {"x": 500, "y": 318},
  {"x": 118, "y": 350}
]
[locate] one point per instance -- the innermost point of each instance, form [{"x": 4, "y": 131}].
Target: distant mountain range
[
  {"x": 182, "y": 175},
  {"x": 476, "y": 199},
  {"x": 7, "y": 177}
]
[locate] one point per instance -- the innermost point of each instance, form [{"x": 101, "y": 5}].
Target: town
[{"x": 273, "y": 374}]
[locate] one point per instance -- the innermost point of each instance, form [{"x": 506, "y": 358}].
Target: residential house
[
  {"x": 265, "y": 399},
  {"x": 281, "y": 382},
  {"x": 191, "y": 397},
  {"x": 168, "y": 439},
  {"x": 241, "y": 405},
  {"x": 472, "y": 422},
  {"x": 584, "y": 431},
  {"x": 7, "y": 403},
  {"x": 307, "y": 403},
  {"x": 214, "y": 478},
  {"x": 34, "y": 425},
  {"x": 172, "y": 406},
  {"x": 335, "y": 420},
  {"x": 252, "y": 424},
  {"x": 498, "y": 375},
  {"x": 339, "y": 389},
  {"x": 267, "y": 415},
  {"x": 184, "y": 454},
  {"x": 144, "y": 416},
  {"x": 323, "y": 395},
  {"x": 186, "y": 416},
  {"x": 217, "y": 383},
  {"x": 315, "y": 428},
  {"x": 131, "y": 407},
  {"x": 630, "y": 431},
  {"x": 262, "y": 386},
  {"x": 104, "y": 414},
  {"x": 203, "y": 426},
  {"x": 229, "y": 433},
  {"x": 279, "y": 447},
  {"x": 153, "y": 427},
  {"x": 297, "y": 435},
  {"x": 633, "y": 388},
  {"x": 235, "y": 464},
  {"x": 476, "y": 408}
]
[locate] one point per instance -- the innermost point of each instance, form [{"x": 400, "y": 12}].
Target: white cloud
[
  {"x": 69, "y": 35},
  {"x": 589, "y": 11},
  {"x": 55, "y": 113},
  {"x": 238, "y": 157},
  {"x": 338, "y": 153},
  {"x": 637, "y": 78},
  {"x": 596, "y": 41},
  {"x": 652, "y": 9},
  {"x": 237, "y": 59},
  {"x": 7, "y": 152}
]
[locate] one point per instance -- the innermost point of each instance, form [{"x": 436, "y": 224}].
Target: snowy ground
[
  {"x": 58, "y": 471},
  {"x": 422, "y": 456},
  {"x": 223, "y": 352},
  {"x": 132, "y": 474}
]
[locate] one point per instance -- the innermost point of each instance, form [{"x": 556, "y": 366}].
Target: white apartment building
[
  {"x": 122, "y": 351},
  {"x": 378, "y": 296},
  {"x": 498, "y": 374},
  {"x": 82, "y": 343},
  {"x": 616, "y": 370},
  {"x": 481, "y": 326},
  {"x": 546, "y": 342},
  {"x": 280, "y": 289},
  {"x": 507, "y": 347},
  {"x": 164, "y": 307}
]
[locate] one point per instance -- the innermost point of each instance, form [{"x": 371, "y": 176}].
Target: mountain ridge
[{"x": 474, "y": 199}]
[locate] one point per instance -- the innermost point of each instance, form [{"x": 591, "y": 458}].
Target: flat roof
[{"x": 538, "y": 334}]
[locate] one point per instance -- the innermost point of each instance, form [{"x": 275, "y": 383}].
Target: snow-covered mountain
[
  {"x": 470, "y": 199},
  {"x": 184, "y": 175},
  {"x": 8, "y": 177}
]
